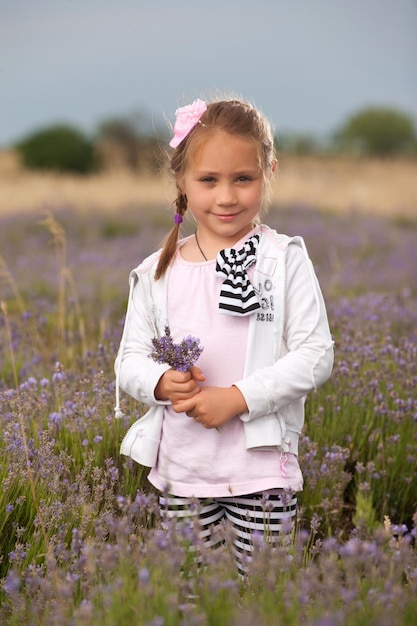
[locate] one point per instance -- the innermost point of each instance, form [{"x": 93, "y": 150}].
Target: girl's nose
[{"x": 226, "y": 195}]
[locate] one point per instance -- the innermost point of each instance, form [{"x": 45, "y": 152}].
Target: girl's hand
[
  {"x": 213, "y": 406},
  {"x": 175, "y": 386}
]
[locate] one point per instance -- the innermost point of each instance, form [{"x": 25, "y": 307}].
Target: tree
[
  {"x": 297, "y": 143},
  {"x": 132, "y": 141},
  {"x": 59, "y": 147},
  {"x": 378, "y": 131}
]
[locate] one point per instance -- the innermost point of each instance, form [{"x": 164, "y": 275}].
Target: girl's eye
[
  {"x": 243, "y": 179},
  {"x": 207, "y": 179}
]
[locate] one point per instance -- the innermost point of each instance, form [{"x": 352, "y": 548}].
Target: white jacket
[{"x": 289, "y": 352}]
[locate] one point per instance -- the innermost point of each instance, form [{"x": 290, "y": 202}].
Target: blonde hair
[{"x": 235, "y": 117}]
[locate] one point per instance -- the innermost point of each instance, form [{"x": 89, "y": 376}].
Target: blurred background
[{"x": 89, "y": 89}]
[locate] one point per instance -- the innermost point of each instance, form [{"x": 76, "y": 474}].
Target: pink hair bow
[{"x": 186, "y": 118}]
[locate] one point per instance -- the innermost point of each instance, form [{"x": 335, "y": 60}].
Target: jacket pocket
[{"x": 142, "y": 440}]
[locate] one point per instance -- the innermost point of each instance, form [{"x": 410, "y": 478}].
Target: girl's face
[{"x": 224, "y": 186}]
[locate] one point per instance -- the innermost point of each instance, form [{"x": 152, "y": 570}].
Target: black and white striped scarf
[{"x": 237, "y": 295}]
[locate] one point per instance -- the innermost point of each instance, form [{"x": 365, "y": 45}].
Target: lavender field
[{"x": 81, "y": 542}]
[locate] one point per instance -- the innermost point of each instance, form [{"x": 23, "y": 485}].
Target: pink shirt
[{"x": 193, "y": 460}]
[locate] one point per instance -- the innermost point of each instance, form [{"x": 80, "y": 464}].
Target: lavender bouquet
[{"x": 180, "y": 356}]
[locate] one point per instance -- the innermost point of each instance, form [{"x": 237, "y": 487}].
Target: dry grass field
[{"x": 374, "y": 186}]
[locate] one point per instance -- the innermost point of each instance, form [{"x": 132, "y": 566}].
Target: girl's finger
[
  {"x": 196, "y": 373},
  {"x": 182, "y": 406}
]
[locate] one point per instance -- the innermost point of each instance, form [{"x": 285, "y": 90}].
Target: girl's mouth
[{"x": 226, "y": 217}]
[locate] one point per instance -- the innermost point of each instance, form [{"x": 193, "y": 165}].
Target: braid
[{"x": 170, "y": 243}]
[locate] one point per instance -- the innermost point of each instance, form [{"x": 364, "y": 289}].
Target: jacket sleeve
[
  {"x": 307, "y": 350},
  {"x": 136, "y": 373}
]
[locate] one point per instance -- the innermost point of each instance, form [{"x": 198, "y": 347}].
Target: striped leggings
[{"x": 259, "y": 517}]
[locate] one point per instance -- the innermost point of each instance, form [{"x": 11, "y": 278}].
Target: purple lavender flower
[
  {"x": 180, "y": 356},
  {"x": 12, "y": 583}
]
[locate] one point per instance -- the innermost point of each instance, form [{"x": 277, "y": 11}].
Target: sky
[{"x": 307, "y": 64}]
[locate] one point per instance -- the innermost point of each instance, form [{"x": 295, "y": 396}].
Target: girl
[{"x": 226, "y": 431}]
